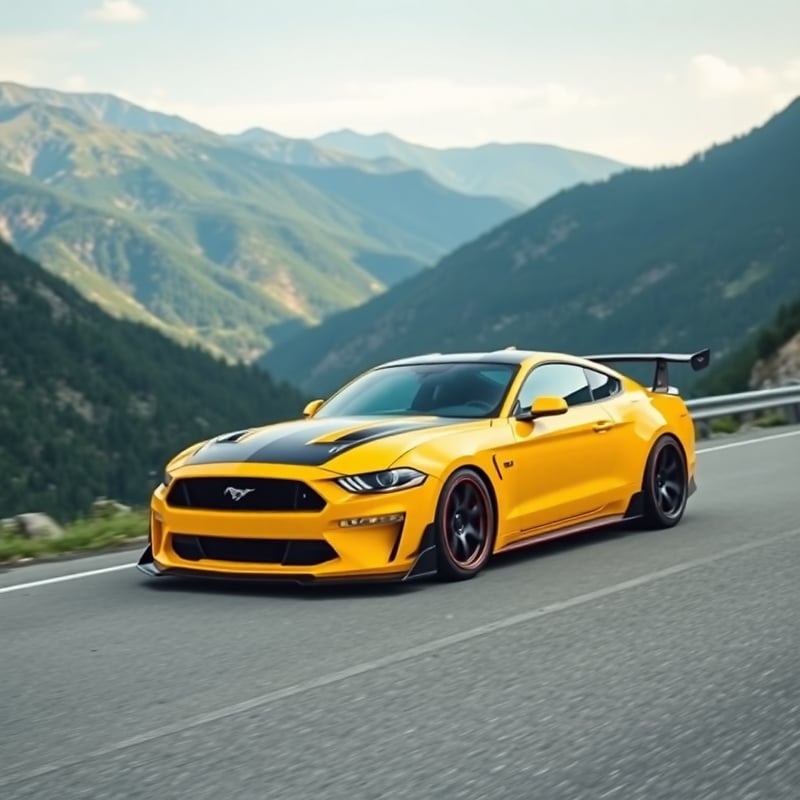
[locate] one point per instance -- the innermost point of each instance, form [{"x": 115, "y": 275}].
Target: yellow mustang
[{"x": 428, "y": 466}]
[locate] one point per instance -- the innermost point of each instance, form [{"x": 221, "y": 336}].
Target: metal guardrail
[{"x": 725, "y": 405}]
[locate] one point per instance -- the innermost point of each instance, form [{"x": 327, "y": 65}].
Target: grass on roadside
[
  {"x": 81, "y": 535},
  {"x": 772, "y": 420}
]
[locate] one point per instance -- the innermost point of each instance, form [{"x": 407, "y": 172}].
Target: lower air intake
[{"x": 289, "y": 553}]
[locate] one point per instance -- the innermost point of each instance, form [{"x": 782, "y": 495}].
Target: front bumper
[{"x": 298, "y": 546}]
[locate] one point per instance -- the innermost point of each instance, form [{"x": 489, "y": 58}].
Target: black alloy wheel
[
  {"x": 666, "y": 484},
  {"x": 465, "y": 526}
]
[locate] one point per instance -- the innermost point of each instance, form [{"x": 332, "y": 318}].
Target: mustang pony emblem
[{"x": 236, "y": 494}]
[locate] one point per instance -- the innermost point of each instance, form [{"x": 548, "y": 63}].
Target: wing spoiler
[{"x": 697, "y": 361}]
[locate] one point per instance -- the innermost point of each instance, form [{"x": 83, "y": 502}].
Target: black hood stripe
[{"x": 294, "y": 444}]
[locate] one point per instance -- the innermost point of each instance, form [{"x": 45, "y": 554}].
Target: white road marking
[
  {"x": 75, "y": 576},
  {"x": 61, "y": 578},
  {"x": 433, "y": 646},
  {"x": 771, "y": 438}
]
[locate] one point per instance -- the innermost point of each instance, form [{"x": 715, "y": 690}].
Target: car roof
[{"x": 508, "y": 355}]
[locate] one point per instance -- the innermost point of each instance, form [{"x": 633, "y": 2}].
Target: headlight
[
  {"x": 388, "y": 480},
  {"x": 167, "y": 479}
]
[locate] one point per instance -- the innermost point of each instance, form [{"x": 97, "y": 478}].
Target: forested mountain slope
[
  {"x": 94, "y": 406},
  {"x": 675, "y": 258}
]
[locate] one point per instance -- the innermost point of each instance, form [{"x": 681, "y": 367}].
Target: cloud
[
  {"x": 792, "y": 72},
  {"x": 432, "y": 105},
  {"x": 716, "y": 77},
  {"x": 39, "y": 58},
  {"x": 119, "y": 11},
  {"x": 76, "y": 82}
]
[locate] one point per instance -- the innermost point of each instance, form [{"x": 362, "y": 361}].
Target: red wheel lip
[{"x": 488, "y": 516}]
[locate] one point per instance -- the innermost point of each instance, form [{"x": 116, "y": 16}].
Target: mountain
[
  {"x": 675, "y": 258},
  {"x": 104, "y": 108},
  {"x": 304, "y": 152},
  {"x": 522, "y": 173},
  {"x": 207, "y": 239},
  {"x": 116, "y": 112},
  {"x": 94, "y": 406}
]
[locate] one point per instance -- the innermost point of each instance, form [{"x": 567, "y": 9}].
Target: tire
[
  {"x": 665, "y": 484},
  {"x": 465, "y": 525}
]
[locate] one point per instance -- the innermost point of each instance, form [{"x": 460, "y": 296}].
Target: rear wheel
[
  {"x": 666, "y": 484},
  {"x": 465, "y": 525}
]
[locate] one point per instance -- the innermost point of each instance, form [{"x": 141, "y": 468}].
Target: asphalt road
[{"x": 627, "y": 665}]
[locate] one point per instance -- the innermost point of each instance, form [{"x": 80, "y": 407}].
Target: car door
[{"x": 560, "y": 468}]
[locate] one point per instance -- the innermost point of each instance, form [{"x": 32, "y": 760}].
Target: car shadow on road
[
  {"x": 631, "y": 529},
  {"x": 567, "y": 543}
]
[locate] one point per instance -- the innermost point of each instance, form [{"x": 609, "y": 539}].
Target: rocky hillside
[{"x": 780, "y": 368}]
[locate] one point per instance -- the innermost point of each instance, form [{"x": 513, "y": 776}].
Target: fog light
[{"x": 384, "y": 519}]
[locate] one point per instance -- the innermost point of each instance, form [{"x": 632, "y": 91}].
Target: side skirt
[{"x": 635, "y": 510}]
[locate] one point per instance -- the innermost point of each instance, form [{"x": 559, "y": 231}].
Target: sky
[{"x": 649, "y": 82}]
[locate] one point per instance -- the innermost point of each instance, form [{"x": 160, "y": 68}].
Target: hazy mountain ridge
[
  {"x": 680, "y": 257},
  {"x": 100, "y": 107},
  {"x": 520, "y": 173},
  {"x": 304, "y": 152},
  {"x": 525, "y": 173}
]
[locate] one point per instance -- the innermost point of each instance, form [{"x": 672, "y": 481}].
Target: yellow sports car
[{"x": 429, "y": 465}]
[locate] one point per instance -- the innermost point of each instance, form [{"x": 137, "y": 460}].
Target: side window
[
  {"x": 602, "y": 385},
  {"x": 556, "y": 380}
]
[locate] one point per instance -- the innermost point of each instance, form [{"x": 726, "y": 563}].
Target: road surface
[{"x": 624, "y": 664}]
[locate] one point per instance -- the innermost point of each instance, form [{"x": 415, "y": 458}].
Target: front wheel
[
  {"x": 465, "y": 525},
  {"x": 666, "y": 484}
]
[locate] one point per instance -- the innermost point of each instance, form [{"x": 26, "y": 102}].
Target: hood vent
[{"x": 231, "y": 438}]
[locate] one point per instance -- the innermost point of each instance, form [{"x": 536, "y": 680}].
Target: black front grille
[
  {"x": 243, "y": 494},
  {"x": 259, "y": 551}
]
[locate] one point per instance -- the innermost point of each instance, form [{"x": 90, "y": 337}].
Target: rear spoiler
[{"x": 699, "y": 360}]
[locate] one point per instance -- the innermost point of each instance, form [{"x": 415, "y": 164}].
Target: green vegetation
[
  {"x": 785, "y": 325},
  {"x": 769, "y": 419},
  {"x": 200, "y": 234},
  {"x": 81, "y": 535},
  {"x": 724, "y": 425},
  {"x": 733, "y": 372},
  {"x": 672, "y": 258},
  {"x": 774, "y": 419},
  {"x": 92, "y": 406}
]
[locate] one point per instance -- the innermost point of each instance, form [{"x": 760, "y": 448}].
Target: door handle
[{"x": 603, "y": 425}]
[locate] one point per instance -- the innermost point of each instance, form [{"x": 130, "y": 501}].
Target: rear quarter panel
[{"x": 644, "y": 417}]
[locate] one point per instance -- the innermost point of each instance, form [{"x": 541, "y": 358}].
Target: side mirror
[
  {"x": 543, "y": 407},
  {"x": 312, "y": 408}
]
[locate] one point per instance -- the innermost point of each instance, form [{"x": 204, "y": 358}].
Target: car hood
[{"x": 324, "y": 442}]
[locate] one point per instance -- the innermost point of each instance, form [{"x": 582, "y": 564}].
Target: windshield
[{"x": 464, "y": 389}]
